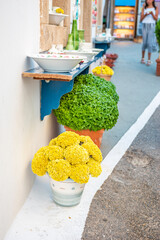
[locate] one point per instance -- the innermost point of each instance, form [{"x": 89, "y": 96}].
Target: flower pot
[
  {"x": 106, "y": 77},
  {"x": 112, "y": 56},
  {"x": 158, "y": 67},
  {"x": 96, "y": 136},
  {"x": 66, "y": 193}
]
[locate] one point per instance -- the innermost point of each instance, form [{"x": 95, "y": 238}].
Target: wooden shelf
[
  {"x": 122, "y": 21},
  {"x": 124, "y": 13},
  {"x": 120, "y": 38},
  {"x": 124, "y": 29},
  {"x": 40, "y": 74}
]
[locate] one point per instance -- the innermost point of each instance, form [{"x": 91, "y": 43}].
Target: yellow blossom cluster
[
  {"x": 80, "y": 173},
  {"x": 76, "y": 154},
  {"x": 68, "y": 156},
  {"x": 104, "y": 69},
  {"x": 39, "y": 164},
  {"x": 59, "y": 10},
  {"x": 93, "y": 150},
  {"x": 59, "y": 170},
  {"x": 94, "y": 168}
]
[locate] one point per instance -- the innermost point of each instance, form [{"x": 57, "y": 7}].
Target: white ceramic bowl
[
  {"x": 85, "y": 45},
  {"x": 100, "y": 38},
  {"x": 56, "y": 62},
  {"x": 85, "y": 54},
  {"x": 56, "y": 18},
  {"x": 97, "y": 50}
]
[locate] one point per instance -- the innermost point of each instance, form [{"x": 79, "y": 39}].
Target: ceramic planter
[
  {"x": 158, "y": 67},
  {"x": 96, "y": 136},
  {"x": 66, "y": 193}
]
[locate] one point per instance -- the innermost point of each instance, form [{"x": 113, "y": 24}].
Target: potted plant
[
  {"x": 103, "y": 71},
  {"x": 90, "y": 108},
  {"x": 157, "y": 32},
  {"x": 69, "y": 160}
]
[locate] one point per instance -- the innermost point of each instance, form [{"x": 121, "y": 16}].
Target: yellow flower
[
  {"x": 104, "y": 69},
  {"x": 80, "y": 173},
  {"x": 55, "y": 152},
  {"x": 59, "y": 170},
  {"x": 39, "y": 164},
  {"x": 43, "y": 150},
  {"x": 98, "y": 72},
  {"x": 53, "y": 142},
  {"x": 94, "y": 168},
  {"x": 59, "y": 10},
  {"x": 67, "y": 138},
  {"x": 76, "y": 154},
  {"x": 93, "y": 151},
  {"x": 84, "y": 139}
]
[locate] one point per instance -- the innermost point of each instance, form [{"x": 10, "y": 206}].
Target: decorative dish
[
  {"x": 56, "y": 62},
  {"x": 56, "y": 18}
]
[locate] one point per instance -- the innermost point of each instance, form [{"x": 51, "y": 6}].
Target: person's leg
[
  {"x": 149, "y": 59},
  {"x": 144, "y": 36},
  {"x": 150, "y": 42},
  {"x": 149, "y": 56},
  {"x": 143, "y": 55}
]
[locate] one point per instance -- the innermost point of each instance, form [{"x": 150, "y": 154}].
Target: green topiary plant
[
  {"x": 157, "y": 32},
  {"x": 92, "y": 104}
]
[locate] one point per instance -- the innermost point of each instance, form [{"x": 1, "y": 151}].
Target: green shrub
[
  {"x": 157, "y": 32},
  {"x": 92, "y": 104}
]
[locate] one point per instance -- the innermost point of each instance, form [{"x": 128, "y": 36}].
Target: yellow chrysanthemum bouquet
[
  {"x": 103, "y": 71},
  {"x": 69, "y": 156}
]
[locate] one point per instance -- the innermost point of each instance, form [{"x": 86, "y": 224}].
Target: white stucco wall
[{"x": 21, "y": 131}]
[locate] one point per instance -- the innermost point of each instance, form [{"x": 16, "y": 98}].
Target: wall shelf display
[
  {"x": 55, "y": 85},
  {"x": 124, "y": 20}
]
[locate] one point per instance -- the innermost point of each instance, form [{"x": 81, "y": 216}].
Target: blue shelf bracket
[
  {"x": 51, "y": 94},
  {"x": 52, "y": 91},
  {"x": 103, "y": 45}
]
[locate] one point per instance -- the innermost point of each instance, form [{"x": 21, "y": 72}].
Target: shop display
[{"x": 124, "y": 22}]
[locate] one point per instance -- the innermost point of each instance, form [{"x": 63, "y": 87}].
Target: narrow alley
[{"x": 124, "y": 203}]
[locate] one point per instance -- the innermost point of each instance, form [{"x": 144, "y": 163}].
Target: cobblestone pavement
[{"x": 127, "y": 207}]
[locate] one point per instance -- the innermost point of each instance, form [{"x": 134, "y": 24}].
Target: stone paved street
[{"x": 127, "y": 207}]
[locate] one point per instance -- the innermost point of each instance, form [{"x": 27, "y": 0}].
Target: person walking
[{"x": 149, "y": 16}]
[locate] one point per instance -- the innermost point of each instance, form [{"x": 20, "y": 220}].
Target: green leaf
[{"x": 92, "y": 104}]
